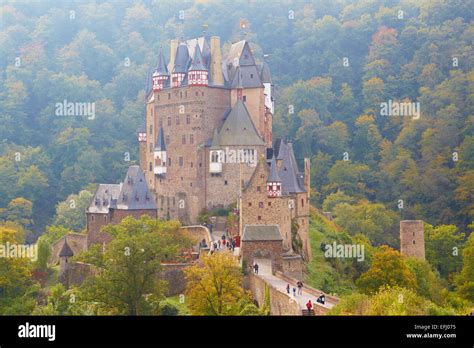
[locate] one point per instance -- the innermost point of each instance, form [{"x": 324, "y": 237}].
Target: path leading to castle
[{"x": 281, "y": 285}]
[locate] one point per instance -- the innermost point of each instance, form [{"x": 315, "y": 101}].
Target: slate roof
[
  {"x": 182, "y": 59},
  {"x": 135, "y": 194},
  {"x": 273, "y": 176},
  {"x": 66, "y": 250},
  {"x": 290, "y": 175},
  {"x": 265, "y": 74},
  {"x": 104, "y": 198},
  {"x": 238, "y": 128},
  {"x": 198, "y": 63},
  {"x": 160, "y": 141},
  {"x": 254, "y": 233},
  {"x": 161, "y": 65},
  {"x": 132, "y": 194}
]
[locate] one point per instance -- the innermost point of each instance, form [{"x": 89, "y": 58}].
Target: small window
[
  {"x": 105, "y": 218},
  {"x": 269, "y": 204},
  {"x": 169, "y": 95},
  {"x": 413, "y": 241},
  {"x": 250, "y": 204},
  {"x": 244, "y": 98},
  {"x": 225, "y": 182},
  {"x": 251, "y": 76},
  {"x": 92, "y": 217},
  {"x": 258, "y": 188},
  {"x": 191, "y": 139},
  {"x": 188, "y": 119},
  {"x": 192, "y": 165},
  {"x": 177, "y": 120},
  {"x": 169, "y": 161},
  {"x": 259, "y": 218}
]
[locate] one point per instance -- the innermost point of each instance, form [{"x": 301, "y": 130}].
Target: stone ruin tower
[{"x": 412, "y": 238}]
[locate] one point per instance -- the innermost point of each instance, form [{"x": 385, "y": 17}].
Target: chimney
[
  {"x": 307, "y": 177},
  {"x": 412, "y": 238},
  {"x": 216, "y": 61},
  {"x": 173, "y": 48}
]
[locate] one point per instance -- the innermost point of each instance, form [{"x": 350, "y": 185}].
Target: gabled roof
[
  {"x": 181, "y": 62},
  {"x": 198, "y": 63},
  {"x": 135, "y": 194},
  {"x": 237, "y": 81},
  {"x": 273, "y": 176},
  {"x": 238, "y": 128},
  {"x": 160, "y": 141},
  {"x": 289, "y": 173},
  {"x": 253, "y": 233},
  {"x": 66, "y": 250},
  {"x": 161, "y": 68}
]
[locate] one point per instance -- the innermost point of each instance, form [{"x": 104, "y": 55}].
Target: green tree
[{"x": 128, "y": 281}]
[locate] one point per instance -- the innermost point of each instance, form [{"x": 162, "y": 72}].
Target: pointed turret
[
  {"x": 66, "y": 250},
  {"x": 160, "y": 75},
  {"x": 273, "y": 181},
  {"x": 198, "y": 73},
  {"x": 160, "y": 154},
  {"x": 181, "y": 64}
]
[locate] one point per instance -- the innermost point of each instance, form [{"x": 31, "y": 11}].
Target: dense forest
[{"x": 334, "y": 65}]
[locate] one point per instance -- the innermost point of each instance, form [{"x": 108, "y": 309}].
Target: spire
[
  {"x": 273, "y": 176},
  {"x": 161, "y": 68},
  {"x": 265, "y": 74},
  {"x": 160, "y": 141},
  {"x": 66, "y": 250},
  {"x": 198, "y": 62},
  {"x": 182, "y": 59}
]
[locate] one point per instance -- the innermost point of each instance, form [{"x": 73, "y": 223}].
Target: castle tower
[
  {"x": 198, "y": 73},
  {"x": 180, "y": 65},
  {"x": 412, "y": 238},
  {"x": 273, "y": 181},
  {"x": 160, "y": 75},
  {"x": 64, "y": 255},
  {"x": 216, "y": 61}
]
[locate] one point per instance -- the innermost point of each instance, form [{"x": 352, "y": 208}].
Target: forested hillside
[{"x": 333, "y": 63}]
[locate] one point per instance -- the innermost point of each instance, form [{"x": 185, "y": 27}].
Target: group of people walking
[
  {"x": 299, "y": 289},
  {"x": 299, "y": 285},
  {"x": 222, "y": 244}
]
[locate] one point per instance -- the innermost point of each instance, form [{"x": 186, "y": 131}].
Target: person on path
[
  {"x": 300, "y": 287},
  {"x": 233, "y": 244},
  {"x": 309, "y": 305},
  {"x": 256, "y": 268},
  {"x": 294, "y": 291},
  {"x": 288, "y": 288},
  {"x": 321, "y": 299}
]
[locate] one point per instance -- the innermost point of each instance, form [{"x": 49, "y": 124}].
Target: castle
[{"x": 208, "y": 124}]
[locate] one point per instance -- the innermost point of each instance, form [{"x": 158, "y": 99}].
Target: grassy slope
[{"x": 320, "y": 273}]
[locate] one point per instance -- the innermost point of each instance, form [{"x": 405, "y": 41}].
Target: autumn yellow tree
[
  {"x": 214, "y": 287},
  {"x": 388, "y": 268}
]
